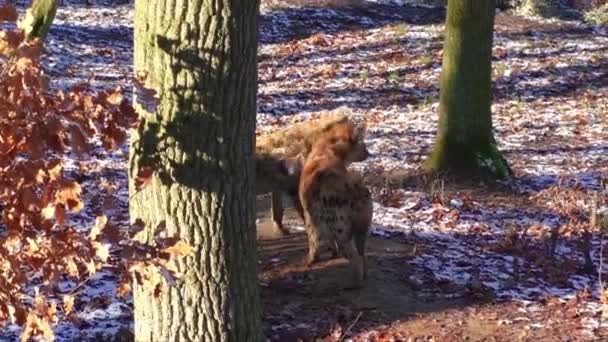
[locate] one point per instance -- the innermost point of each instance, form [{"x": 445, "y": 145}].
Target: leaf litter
[{"x": 383, "y": 63}]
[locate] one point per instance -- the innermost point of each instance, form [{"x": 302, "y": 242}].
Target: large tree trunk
[
  {"x": 201, "y": 59},
  {"x": 465, "y": 144}
]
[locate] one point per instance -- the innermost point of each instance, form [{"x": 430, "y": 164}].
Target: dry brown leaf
[
  {"x": 102, "y": 251},
  {"x": 91, "y": 267},
  {"x": 8, "y": 13},
  {"x": 115, "y": 98},
  {"x": 68, "y": 304},
  {"x": 48, "y": 212},
  {"x": 100, "y": 223},
  {"x": 179, "y": 248},
  {"x": 60, "y": 216},
  {"x": 69, "y": 195},
  {"x": 72, "y": 268},
  {"x": 144, "y": 178},
  {"x": 124, "y": 287}
]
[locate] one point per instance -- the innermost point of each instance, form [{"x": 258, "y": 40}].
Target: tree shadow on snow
[
  {"x": 288, "y": 24},
  {"x": 384, "y": 93}
]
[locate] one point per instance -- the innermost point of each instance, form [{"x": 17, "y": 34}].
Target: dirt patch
[{"x": 305, "y": 303}]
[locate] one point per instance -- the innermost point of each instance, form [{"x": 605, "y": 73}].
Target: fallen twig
[{"x": 351, "y": 326}]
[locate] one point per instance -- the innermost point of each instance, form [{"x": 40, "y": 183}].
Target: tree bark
[
  {"x": 200, "y": 57},
  {"x": 38, "y": 19},
  {"x": 465, "y": 144}
]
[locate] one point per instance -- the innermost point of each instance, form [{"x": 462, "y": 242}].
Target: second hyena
[{"x": 337, "y": 205}]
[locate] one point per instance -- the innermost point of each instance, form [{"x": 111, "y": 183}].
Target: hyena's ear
[{"x": 333, "y": 120}]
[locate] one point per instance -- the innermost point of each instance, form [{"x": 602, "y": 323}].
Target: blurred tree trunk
[
  {"x": 200, "y": 57},
  {"x": 38, "y": 19},
  {"x": 465, "y": 144}
]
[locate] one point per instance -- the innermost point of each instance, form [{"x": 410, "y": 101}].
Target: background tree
[
  {"x": 38, "y": 18},
  {"x": 200, "y": 58},
  {"x": 465, "y": 144}
]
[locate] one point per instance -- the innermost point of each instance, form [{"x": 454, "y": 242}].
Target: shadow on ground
[
  {"x": 301, "y": 303},
  {"x": 293, "y": 23}
]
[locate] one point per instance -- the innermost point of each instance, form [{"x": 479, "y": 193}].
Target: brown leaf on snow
[
  {"x": 115, "y": 98},
  {"x": 17, "y": 314},
  {"x": 144, "y": 96},
  {"x": 319, "y": 39},
  {"x": 54, "y": 169},
  {"x": 69, "y": 195},
  {"x": 72, "y": 268},
  {"x": 68, "y": 304},
  {"x": 102, "y": 251},
  {"x": 91, "y": 267},
  {"x": 60, "y": 214},
  {"x": 124, "y": 285},
  {"x": 8, "y": 13},
  {"x": 37, "y": 325},
  {"x": 100, "y": 223}
]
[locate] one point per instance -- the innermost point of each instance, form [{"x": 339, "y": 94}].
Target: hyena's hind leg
[
  {"x": 277, "y": 211},
  {"x": 359, "y": 239},
  {"x": 354, "y": 250}
]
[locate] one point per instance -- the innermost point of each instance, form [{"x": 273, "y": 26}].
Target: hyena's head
[{"x": 345, "y": 139}]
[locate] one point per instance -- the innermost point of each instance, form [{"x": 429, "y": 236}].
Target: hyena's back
[{"x": 279, "y": 160}]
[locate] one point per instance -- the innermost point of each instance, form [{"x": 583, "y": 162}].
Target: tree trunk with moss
[
  {"x": 465, "y": 144},
  {"x": 200, "y": 58},
  {"x": 38, "y": 19}
]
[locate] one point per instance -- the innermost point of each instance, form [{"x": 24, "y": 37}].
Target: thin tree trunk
[
  {"x": 465, "y": 143},
  {"x": 200, "y": 57},
  {"x": 38, "y": 18}
]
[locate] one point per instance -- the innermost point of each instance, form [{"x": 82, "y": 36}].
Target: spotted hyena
[
  {"x": 337, "y": 205},
  {"x": 280, "y": 156}
]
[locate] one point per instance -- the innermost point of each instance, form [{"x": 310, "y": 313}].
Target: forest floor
[
  {"x": 447, "y": 263},
  {"x": 306, "y": 304}
]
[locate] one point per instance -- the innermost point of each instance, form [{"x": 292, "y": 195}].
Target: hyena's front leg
[{"x": 314, "y": 242}]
